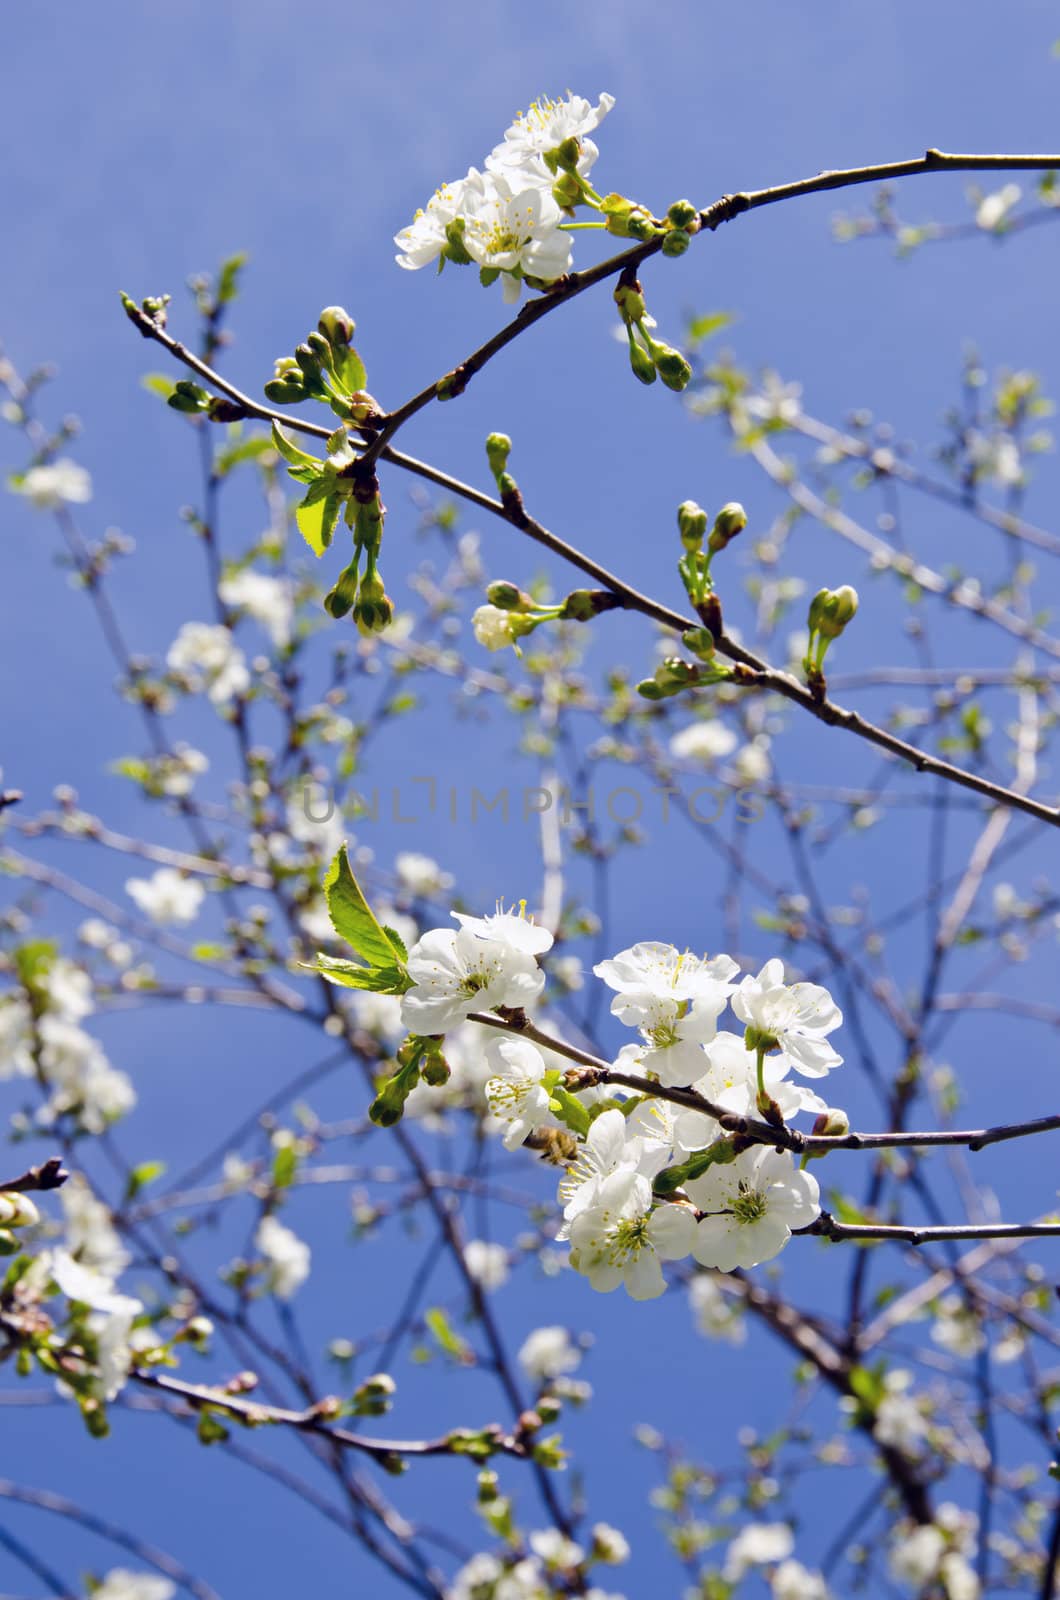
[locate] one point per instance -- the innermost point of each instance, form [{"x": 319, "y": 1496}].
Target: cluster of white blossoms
[
  {"x": 267, "y": 600},
  {"x": 647, "y": 1180},
  {"x": 506, "y": 219},
  {"x": 285, "y": 1257},
  {"x": 167, "y": 896},
  {"x": 206, "y": 654},
  {"x": 552, "y": 1558},
  {"x": 55, "y": 483},
  {"x": 52, "y": 1046}
]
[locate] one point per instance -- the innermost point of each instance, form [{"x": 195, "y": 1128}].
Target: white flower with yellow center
[
  {"x": 607, "y": 1148},
  {"x": 515, "y": 229},
  {"x": 730, "y": 1082},
  {"x": 674, "y": 1034},
  {"x": 543, "y": 127},
  {"x": 621, "y": 1239},
  {"x": 751, "y": 1206},
  {"x": 652, "y": 971},
  {"x": 454, "y": 973},
  {"x": 516, "y": 1091},
  {"x": 793, "y": 1018},
  {"x": 513, "y": 928},
  {"x": 425, "y": 237}
]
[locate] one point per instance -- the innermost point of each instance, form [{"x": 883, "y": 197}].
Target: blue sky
[{"x": 144, "y": 144}]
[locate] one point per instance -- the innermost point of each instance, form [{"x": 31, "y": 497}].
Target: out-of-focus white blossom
[{"x": 167, "y": 896}]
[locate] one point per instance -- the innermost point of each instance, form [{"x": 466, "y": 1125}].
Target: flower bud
[
  {"x": 344, "y": 593},
  {"x": 630, "y": 302},
  {"x": 565, "y": 157},
  {"x": 435, "y": 1070},
  {"x": 320, "y": 347},
  {"x": 641, "y": 362},
  {"x": 691, "y": 523},
  {"x": 831, "y": 1124},
  {"x": 307, "y": 362},
  {"x": 700, "y": 641},
  {"x": 488, "y": 1486},
  {"x": 671, "y": 366},
  {"x": 336, "y": 325},
  {"x": 455, "y": 249},
  {"x": 507, "y": 596},
  {"x": 730, "y": 520},
  {"x": 566, "y": 191},
  {"x": 374, "y": 609},
  {"x": 675, "y": 242},
  {"x": 498, "y": 449},
  {"x": 682, "y": 214},
  {"x": 17, "y": 1210},
  {"x": 832, "y": 609},
  {"x": 284, "y": 391},
  {"x": 188, "y": 397}
]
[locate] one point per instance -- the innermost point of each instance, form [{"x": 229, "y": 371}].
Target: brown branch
[
  {"x": 50, "y": 1174},
  {"x": 826, "y": 1226}
]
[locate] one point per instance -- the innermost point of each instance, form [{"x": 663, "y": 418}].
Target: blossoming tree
[{"x": 661, "y": 1119}]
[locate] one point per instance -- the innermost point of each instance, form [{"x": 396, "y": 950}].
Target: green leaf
[
  {"x": 397, "y": 941},
  {"x": 570, "y": 1110},
  {"x": 348, "y": 975},
  {"x": 291, "y": 452},
  {"x": 284, "y": 1166},
  {"x": 245, "y": 450},
  {"x": 700, "y": 328},
  {"x": 449, "y": 1339},
  {"x": 349, "y": 369},
  {"x": 141, "y": 1176},
  {"x": 316, "y": 517},
  {"x": 352, "y": 917},
  {"x": 228, "y": 279},
  {"x": 158, "y": 383}
]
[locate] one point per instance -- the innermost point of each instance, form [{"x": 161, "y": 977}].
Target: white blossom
[
  {"x": 16, "y": 1038},
  {"x": 315, "y": 821},
  {"x": 90, "y": 1234},
  {"x": 916, "y": 1555},
  {"x": 56, "y": 483},
  {"x": 69, "y": 990},
  {"x": 425, "y": 237},
  {"x": 620, "y": 1239},
  {"x": 792, "y": 1581},
  {"x": 421, "y": 875},
  {"x": 607, "y": 1148},
  {"x": 512, "y": 928},
  {"x": 652, "y": 971},
  {"x": 993, "y": 209},
  {"x": 751, "y": 1205},
  {"x": 703, "y": 741},
  {"x": 717, "y": 1317},
  {"x": 266, "y": 599},
  {"x": 286, "y": 1257},
  {"x": 548, "y": 1352},
  {"x": 544, "y": 126},
  {"x": 555, "y": 1549},
  {"x": 80, "y": 1077},
  {"x": 610, "y": 1545},
  {"x": 757, "y": 1545},
  {"x": 513, "y": 226},
  {"x": 208, "y": 655},
  {"x": 456, "y": 973},
  {"x": 796, "y": 1017},
  {"x": 121, "y": 1584},
  {"x": 487, "y": 1263},
  {"x": 516, "y": 1092},
  {"x": 493, "y": 628},
  {"x": 167, "y": 896}
]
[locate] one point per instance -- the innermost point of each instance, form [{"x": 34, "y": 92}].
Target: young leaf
[
  {"x": 350, "y": 369},
  {"x": 291, "y": 452},
  {"x": 348, "y": 975},
  {"x": 316, "y": 517},
  {"x": 352, "y": 917}
]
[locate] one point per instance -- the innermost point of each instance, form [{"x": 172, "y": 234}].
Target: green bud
[
  {"x": 730, "y": 520},
  {"x": 507, "y": 597},
  {"x": 831, "y": 610},
  {"x": 455, "y": 249},
  {"x": 8, "y": 1243},
  {"x": 649, "y": 689},
  {"x": 285, "y": 367},
  {"x": 580, "y": 606},
  {"x": 700, "y": 641},
  {"x": 672, "y": 367},
  {"x": 641, "y": 362},
  {"x": 320, "y": 347},
  {"x": 488, "y": 1486},
  {"x": 188, "y": 397},
  {"x": 640, "y": 226},
  {"x": 342, "y": 597},
  {"x": 676, "y": 242},
  {"x": 682, "y": 214},
  {"x": 435, "y": 1070},
  {"x": 691, "y": 523},
  {"x": 284, "y": 391},
  {"x": 374, "y": 610},
  {"x": 336, "y": 325},
  {"x": 566, "y": 191},
  {"x": 498, "y": 449},
  {"x": 567, "y": 154},
  {"x": 630, "y": 302}
]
